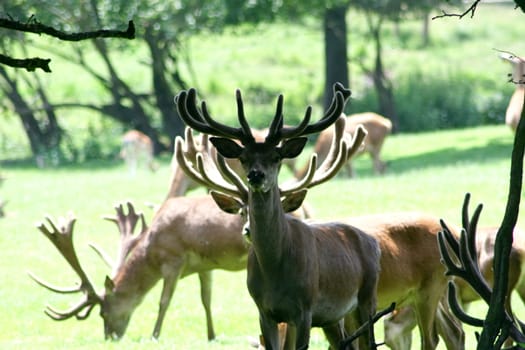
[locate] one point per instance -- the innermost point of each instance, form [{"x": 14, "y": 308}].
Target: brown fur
[{"x": 378, "y": 128}]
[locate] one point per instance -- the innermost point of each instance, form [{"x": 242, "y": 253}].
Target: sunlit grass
[{"x": 428, "y": 172}]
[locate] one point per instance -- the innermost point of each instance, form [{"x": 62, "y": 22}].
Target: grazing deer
[
  {"x": 307, "y": 275},
  {"x": 398, "y": 328},
  {"x": 513, "y": 113},
  {"x": 378, "y": 129},
  {"x": 137, "y": 147},
  {"x": 188, "y": 235}
]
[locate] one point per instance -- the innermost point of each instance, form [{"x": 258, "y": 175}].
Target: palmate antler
[
  {"x": 460, "y": 259},
  {"x": 61, "y": 235},
  {"x": 126, "y": 224}
]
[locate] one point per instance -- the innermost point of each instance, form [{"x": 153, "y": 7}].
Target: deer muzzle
[{"x": 256, "y": 178}]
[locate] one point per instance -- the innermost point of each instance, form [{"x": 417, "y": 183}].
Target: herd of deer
[{"x": 300, "y": 273}]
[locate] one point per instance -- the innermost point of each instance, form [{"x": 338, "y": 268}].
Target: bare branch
[
  {"x": 471, "y": 10},
  {"x": 34, "y": 26},
  {"x": 30, "y": 64}
]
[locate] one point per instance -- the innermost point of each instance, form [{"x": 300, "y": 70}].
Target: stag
[
  {"x": 304, "y": 274},
  {"x": 513, "y": 113},
  {"x": 420, "y": 277},
  {"x": 188, "y": 235},
  {"x": 378, "y": 128},
  {"x": 137, "y": 147}
]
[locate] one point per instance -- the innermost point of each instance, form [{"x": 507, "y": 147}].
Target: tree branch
[
  {"x": 30, "y": 64},
  {"x": 471, "y": 10},
  {"x": 33, "y": 26}
]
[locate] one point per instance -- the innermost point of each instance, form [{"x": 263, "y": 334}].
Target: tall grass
[{"x": 427, "y": 171}]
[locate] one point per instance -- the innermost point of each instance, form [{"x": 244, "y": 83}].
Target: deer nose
[{"x": 255, "y": 177}]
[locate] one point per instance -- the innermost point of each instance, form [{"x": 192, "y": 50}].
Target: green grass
[{"x": 427, "y": 171}]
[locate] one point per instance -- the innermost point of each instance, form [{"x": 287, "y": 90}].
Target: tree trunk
[
  {"x": 383, "y": 85},
  {"x": 171, "y": 122},
  {"x": 134, "y": 116},
  {"x": 43, "y": 136},
  {"x": 336, "y": 56}
]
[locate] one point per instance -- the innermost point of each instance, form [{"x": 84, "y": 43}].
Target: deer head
[{"x": 113, "y": 311}]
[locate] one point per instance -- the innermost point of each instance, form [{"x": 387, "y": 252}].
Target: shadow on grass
[{"x": 493, "y": 150}]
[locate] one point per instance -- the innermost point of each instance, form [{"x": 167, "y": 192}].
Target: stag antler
[
  {"x": 126, "y": 224},
  {"x": 203, "y": 122},
  {"x": 467, "y": 268},
  {"x": 61, "y": 236},
  {"x": 216, "y": 174}
]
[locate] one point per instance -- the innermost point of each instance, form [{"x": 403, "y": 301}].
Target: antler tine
[
  {"x": 62, "y": 239},
  {"x": 203, "y": 122},
  {"x": 339, "y": 153},
  {"x": 126, "y": 224},
  {"x": 76, "y": 311},
  {"x": 200, "y": 172},
  {"x": 232, "y": 176},
  {"x": 341, "y": 95}
]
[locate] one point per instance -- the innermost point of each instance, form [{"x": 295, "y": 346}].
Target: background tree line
[{"x": 163, "y": 31}]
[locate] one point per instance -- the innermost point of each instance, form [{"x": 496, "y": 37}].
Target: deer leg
[
  {"x": 270, "y": 332},
  {"x": 334, "y": 334},
  {"x": 206, "y": 281},
  {"x": 425, "y": 314},
  {"x": 170, "y": 283},
  {"x": 449, "y": 327}
]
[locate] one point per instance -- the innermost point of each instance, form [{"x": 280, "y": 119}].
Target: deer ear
[
  {"x": 293, "y": 147},
  {"x": 109, "y": 285},
  {"x": 293, "y": 201},
  {"x": 226, "y": 147},
  {"x": 227, "y": 203}
]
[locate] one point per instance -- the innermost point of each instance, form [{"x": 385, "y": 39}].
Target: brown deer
[
  {"x": 188, "y": 235},
  {"x": 378, "y": 128},
  {"x": 513, "y": 113},
  {"x": 399, "y": 326},
  {"x": 137, "y": 147},
  {"x": 307, "y": 275}
]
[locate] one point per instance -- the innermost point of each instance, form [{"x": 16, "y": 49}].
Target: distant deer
[
  {"x": 307, "y": 275},
  {"x": 137, "y": 148},
  {"x": 513, "y": 113},
  {"x": 378, "y": 129}
]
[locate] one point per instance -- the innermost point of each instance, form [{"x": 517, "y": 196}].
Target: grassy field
[{"x": 427, "y": 171}]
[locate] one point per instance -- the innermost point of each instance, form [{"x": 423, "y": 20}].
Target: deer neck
[
  {"x": 268, "y": 228},
  {"x": 135, "y": 278}
]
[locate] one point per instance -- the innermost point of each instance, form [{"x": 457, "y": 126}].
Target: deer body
[
  {"x": 176, "y": 245},
  {"x": 137, "y": 147},
  {"x": 411, "y": 273},
  {"x": 514, "y": 109},
  {"x": 293, "y": 269},
  {"x": 398, "y": 328},
  {"x": 377, "y": 127}
]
